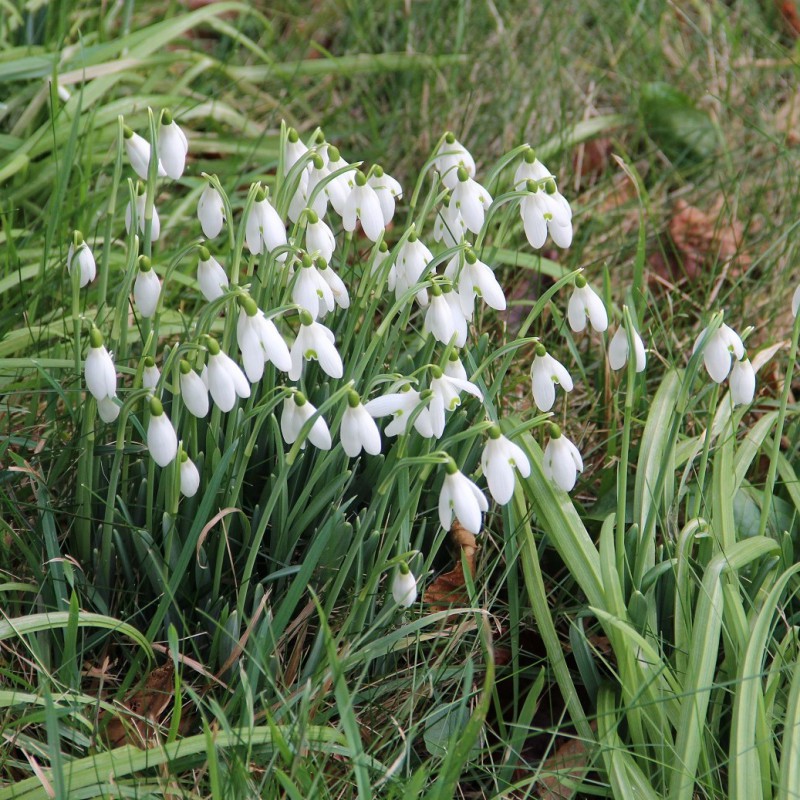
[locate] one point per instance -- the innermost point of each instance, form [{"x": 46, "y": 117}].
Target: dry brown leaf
[
  {"x": 563, "y": 770},
  {"x": 789, "y": 15},
  {"x": 135, "y": 723},
  {"x": 590, "y": 160},
  {"x": 450, "y": 588}
]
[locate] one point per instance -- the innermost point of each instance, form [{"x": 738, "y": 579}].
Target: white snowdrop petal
[
  {"x": 194, "y": 393},
  {"x": 162, "y": 441},
  {"x": 107, "y": 409}
]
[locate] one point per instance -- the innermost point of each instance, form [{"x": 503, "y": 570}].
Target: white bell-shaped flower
[
  {"x": 449, "y": 226},
  {"x": 172, "y": 146},
  {"x": 444, "y": 318},
  {"x": 388, "y": 190},
  {"x": 141, "y": 201},
  {"x": 584, "y": 303},
  {"x": 264, "y": 230},
  {"x": 499, "y": 459},
  {"x": 363, "y": 203},
  {"x": 80, "y": 257},
  {"x": 296, "y": 412},
  {"x": 743, "y": 382},
  {"x": 211, "y": 277},
  {"x": 461, "y": 498},
  {"x": 411, "y": 261},
  {"x": 449, "y": 157},
  {"x": 404, "y": 586},
  {"x": 340, "y": 294},
  {"x": 211, "y": 212},
  {"x": 562, "y": 460},
  {"x": 224, "y": 378},
  {"x": 402, "y": 405},
  {"x": 546, "y": 372},
  {"x": 454, "y": 368},
  {"x": 546, "y": 211},
  {"x": 294, "y": 149},
  {"x": 315, "y": 342},
  {"x": 320, "y": 240},
  {"x": 150, "y": 373},
  {"x": 193, "y": 391},
  {"x": 138, "y": 150},
  {"x": 471, "y": 200},
  {"x": 618, "y": 350},
  {"x": 359, "y": 431},
  {"x": 107, "y": 409},
  {"x": 337, "y": 189},
  {"x": 446, "y": 396},
  {"x": 259, "y": 341},
  {"x": 98, "y": 369},
  {"x": 531, "y": 169},
  {"x": 190, "y": 477},
  {"x": 146, "y": 288},
  {"x": 162, "y": 441},
  {"x": 311, "y": 291},
  {"x": 472, "y": 279},
  {"x": 300, "y": 198},
  {"x": 720, "y": 347}
]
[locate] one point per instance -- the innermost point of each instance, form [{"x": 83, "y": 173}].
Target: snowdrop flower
[
  {"x": 530, "y": 169},
  {"x": 471, "y": 200},
  {"x": 141, "y": 202},
  {"x": 363, "y": 203},
  {"x": 618, "y": 350},
  {"x": 546, "y": 211},
  {"x": 146, "y": 288},
  {"x": 319, "y": 237},
  {"x": 299, "y": 199},
  {"x": 743, "y": 382},
  {"x": 404, "y": 586},
  {"x": 340, "y": 293},
  {"x": 310, "y": 291},
  {"x": 449, "y": 226},
  {"x": 388, "y": 190},
  {"x": 499, "y": 459},
  {"x": 461, "y": 498},
  {"x": 211, "y": 212},
  {"x": 562, "y": 460},
  {"x": 172, "y": 146},
  {"x": 449, "y": 157},
  {"x": 474, "y": 279},
  {"x": 82, "y": 258},
  {"x": 718, "y": 349},
  {"x": 259, "y": 341},
  {"x": 454, "y": 368},
  {"x": 107, "y": 409},
  {"x": 138, "y": 150},
  {"x": 264, "y": 229},
  {"x": 584, "y": 303},
  {"x": 337, "y": 189},
  {"x": 224, "y": 378},
  {"x": 411, "y": 262},
  {"x": 796, "y": 301},
  {"x": 402, "y": 405},
  {"x": 150, "y": 373},
  {"x": 294, "y": 149},
  {"x": 190, "y": 477},
  {"x": 315, "y": 342},
  {"x": 380, "y": 255},
  {"x": 98, "y": 369},
  {"x": 162, "y": 441},
  {"x": 359, "y": 430},
  {"x": 446, "y": 396},
  {"x": 546, "y": 372},
  {"x": 211, "y": 276},
  {"x": 296, "y": 412},
  {"x": 193, "y": 391},
  {"x": 444, "y": 318}
]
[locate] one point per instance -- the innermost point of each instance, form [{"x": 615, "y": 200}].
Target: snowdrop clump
[{"x": 326, "y": 273}]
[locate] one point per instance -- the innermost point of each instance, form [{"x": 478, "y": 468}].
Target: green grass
[{"x": 650, "y": 614}]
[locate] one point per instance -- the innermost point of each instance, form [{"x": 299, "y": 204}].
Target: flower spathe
[
  {"x": 618, "y": 350},
  {"x": 719, "y": 348},
  {"x": 584, "y": 303},
  {"x": 81, "y": 257},
  {"x": 297, "y": 410},
  {"x": 743, "y": 382},
  {"x": 172, "y": 146},
  {"x": 162, "y": 441},
  {"x": 404, "y": 586},
  {"x": 211, "y": 212},
  {"x": 462, "y": 499},
  {"x": 359, "y": 431},
  {"x": 546, "y": 372},
  {"x": 499, "y": 459},
  {"x": 562, "y": 460},
  {"x": 315, "y": 342}
]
